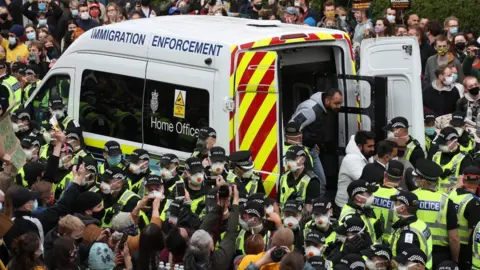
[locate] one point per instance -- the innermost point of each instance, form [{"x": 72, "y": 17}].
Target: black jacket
[
  {"x": 24, "y": 223},
  {"x": 222, "y": 257},
  {"x": 48, "y": 255},
  {"x": 442, "y": 101}
]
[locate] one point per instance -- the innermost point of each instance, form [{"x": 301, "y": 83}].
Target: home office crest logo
[{"x": 154, "y": 101}]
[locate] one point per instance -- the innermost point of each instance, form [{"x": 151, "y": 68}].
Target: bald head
[{"x": 283, "y": 237}]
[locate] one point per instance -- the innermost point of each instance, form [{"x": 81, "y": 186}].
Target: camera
[{"x": 278, "y": 253}]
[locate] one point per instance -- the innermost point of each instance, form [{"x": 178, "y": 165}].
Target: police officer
[
  {"x": 467, "y": 206},
  {"x": 31, "y": 147},
  {"x": 64, "y": 168},
  {"x": 322, "y": 212},
  {"x": 437, "y": 211},
  {"x": 207, "y": 138},
  {"x": 251, "y": 222},
  {"x": 465, "y": 138},
  {"x": 412, "y": 256},
  {"x": 382, "y": 205},
  {"x": 377, "y": 256},
  {"x": 11, "y": 83},
  {"x": 315, "y": 246},
  {"x": 450, "y": 158},
  {"x": 112, "y": 153},
  {"x": 48, "y": 134},
  {"x": 242, "y": 173},
  {"x": 218, "y": 161},
  {"x": 75, "y": 139},
  {"x": 32, "y": 79},
  {"x": 90, "y": 177},
  {"x": 22, "y": 123},
  {"x": 291, "y": 215},
  {"x": 169, "y": 171},
  {"x": 154, "y": 187},
  {"x": 57, "y": 109},
  {"x": 138, "y": 169},
  {"x": 430, "y": 132},
  {"x": 397, "y": 128},
  {"x": 409, "y": 230},
  {"x": 359, "y": 203},
  {"x": 299, "y": 182},
  {"x": 194, "y": 178},
  {"x": 116, "y": 196}
]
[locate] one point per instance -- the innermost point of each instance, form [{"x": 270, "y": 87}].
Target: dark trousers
[
  {"x": 440, "y": 254},
  {"x": 465, "y": 258}
]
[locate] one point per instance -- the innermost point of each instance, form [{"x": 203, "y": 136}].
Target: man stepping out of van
[
  {"x": 312, "y": 116},
  {"x": 113, "y": 156},
  {"x": 207, "y": 137}
]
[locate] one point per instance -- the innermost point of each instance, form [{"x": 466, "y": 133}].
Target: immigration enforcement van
[{"x": 153, "y": 83}]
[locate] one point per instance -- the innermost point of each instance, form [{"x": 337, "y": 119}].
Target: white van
[{"x": 152, "y": 83}]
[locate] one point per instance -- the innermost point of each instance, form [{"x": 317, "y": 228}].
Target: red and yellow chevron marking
[{"x": 255, "y": 122}]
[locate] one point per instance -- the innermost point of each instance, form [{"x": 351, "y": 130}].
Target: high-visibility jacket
[
  {"x": 300, "y": 189},
  {"x": 445, "y": 184},
  {"x": 348, "y": 210},
  {"x": 101, "y": 167},
  {"x": 423, "y": 234},
  {"x": 410, "y": 147},
  {"x": 433, "y": 211},
  {"x": 384, "y": 207},
  {"x": 80, "y": 153},
  {"x": 329, "y": 240},
  {"x": 13, "y": 86},
  {"x": 60, "y": 187},
  {"x": 428, "y": 143},
  {"x": 476, "y": 248},
  {"x": 470, "y": 146},
  {"x": 251, "y": 186},
  {"x": 138, "y": 187},
  {"x": 43, "y": 153},
  {"x": 21, "y": 175},
  {"x": 111, "y": 211},
  {"x": 461, "y": 201}
]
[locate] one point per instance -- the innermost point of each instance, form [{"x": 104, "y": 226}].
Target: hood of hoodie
[
  {"x": 87, "y": 220},
  {"x": 446, "y": 88},
  {"x": 50, "y": 238},
  {"x": 192, "y": 264},
  {"x": 352, "y": 148},
  {"x": 317, "y": 97}
]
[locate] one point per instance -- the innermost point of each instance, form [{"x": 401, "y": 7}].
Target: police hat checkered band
[
  {"x": 426, "y": 177},
  {"x": 403, "y": 199},
  {"x": 245, "y": 163},
  {"x": 354, "y": 229},
  {"x": 398, "y": 125},
  {"x": 416, "y": 258},
  {"x": 144, "y": 156},
  {"x": 451, "y": 136},
  {"x": 91, "y": 168},
  {"x": 459, "y": 117},
  {"x": 359, "y": 190},
  {"x": 74, "y": 136},
  {"x": 252, "y": 211},
  {"x": 119, "y": 176},
  {"x": 175, "y": 205},
  {"x": 22, "y": 115},
  {"x": 382, "y": 253},
  {"x": 357, "y": 264}
]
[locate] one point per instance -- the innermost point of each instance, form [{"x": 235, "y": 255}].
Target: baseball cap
[
  {"x": 446, "y": 134},
  {"x": 394, "y": 169},
  {"x": 292, "y": 206},
  {"x": 32, "y": 69},
  {"x": 291, "y": 11},
  {"x": 22, "y": 195},
  {"x": 152, "y": 179},
  {"x": 295, "y": 151},
  {"x": 397, "y": 122},
  {"x": 458, "y": 119},
  {"x": 351, "y": 261},
  {"x": 112, "y": 148},
  {"x": 414, "y": 255},
  {"x": 218, "y": 154},
  {"x": 21, "y": 114},
  {"x": 113, "y": 173},
  {"x": 138, "y": 154},
  {"x": 242, "y": 159},
  {"x": 379, "y": 250},
  {"x": 168, "y": 159},
  {"x": 90, "y": 163},
  {"x": 351, "y": 224},
  {"x": 55, "y": 102},
  {"x": 193, "y": 165},
  {"x": 292, "y": 128},
  {"x": 447, "y": 265},
  {"x": 321, "y": 205},
  {"x": 254, "y": 209},
  {"x": 406, "y": 197},
  {"x": 315, "y": 236},
  {"x": 360, "y": 186},
  {"x": 207, "y": 132}
]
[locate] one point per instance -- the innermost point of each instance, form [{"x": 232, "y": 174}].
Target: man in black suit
[{"x": 374, "y": 172}]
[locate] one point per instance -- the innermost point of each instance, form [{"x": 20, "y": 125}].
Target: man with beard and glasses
[
  {"x": 360, "y": 149},
  {"x": 315, "y": 117}
]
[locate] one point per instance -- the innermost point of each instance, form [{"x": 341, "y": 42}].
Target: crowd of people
[{"x": 395, "y": 206}]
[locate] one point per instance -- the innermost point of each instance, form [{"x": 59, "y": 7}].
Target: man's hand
[
  {"x": 236, "y": 196},
  {"x": 104, "y": 235},
  {"x": 220, "y": 181},
  {"x": 156, "y": 203},
  {"x": 6, "y": 159},
  {"x": 142, "y": 204},
  {"x": 275, "y": 218},
  {"x": 60, "y": 136},
  {"x": 267, "y": 258},
  {"x": 79, "y": 174}
]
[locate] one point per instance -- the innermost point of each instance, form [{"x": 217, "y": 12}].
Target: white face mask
[
  {"x": 138, "y": 169},
  {"x": 63, "y": 162},
  {"x": 84, "y": 15},
  {"x": 16, "y": 127},
  {"x": 342, "y": 238},
  {"x": 28, "y": 154},
  {"x": 197, "y": 179},
  {"x": 292, "y": 165},
  {"x": 243, "y": 224},
  {"x": 450, "y": 148},
  {"x": 405, "y": 267},
  {"x": 322, "y": 221},
  {"x": 48, "y": 137},
  {"x": 156, "y": 194},
  {"x": 247, "y": 174},
  {"x": 217, "y": 168},
  {"x": 312, "y": 251},
  {"x": 291, "y": 223},
  {"x": 459, "y": 131},
  {"x": 390, "y": 134},
  {"x": 448, "y": 80},
  {"x": 59, "y": 114},
  {"x": 105, "y": 188},
  {"x": 166, "y": 173},
  {"x": 342, "y": 18},
  {"x": 269, "y": 209},
  {"x": 368, "y": 200}
]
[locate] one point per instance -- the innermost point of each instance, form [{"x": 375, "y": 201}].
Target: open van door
[
  {"x": 398, "y": 59},
  {"x": 256, "y": 115}
]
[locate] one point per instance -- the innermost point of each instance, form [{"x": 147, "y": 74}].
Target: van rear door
[
  {"x": 256, "y": 116},
  {"x": 398, "y": 59}
]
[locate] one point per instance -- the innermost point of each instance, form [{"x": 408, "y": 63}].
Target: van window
[
  {"x": 58, "y": 84},
  {"x": 111, "y": 105},
  {"x": 173, "y": 115}
]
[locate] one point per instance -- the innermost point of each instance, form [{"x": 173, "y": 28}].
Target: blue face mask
[
  {"x": 1, "y": 206},
  {"x": 115, "y": 160},
  {"x": 42, "y": 21},
  {"x": 453, "y": 30},
  {"x": 35, "y": 205},
  {"x": 12, "y": 41},
  {"x": 455, "y": 77},
  {"x": 75, "y": 12},
  {"x": 31, "y": 36},
  {"x": 430, "y": 131},
  {"x": 42, "y": 6}
]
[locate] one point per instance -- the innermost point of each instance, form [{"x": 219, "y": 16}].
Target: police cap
[
  {"x": 113, "y": 173},
  {"x": 254, "y": 209},
  {"x": 414, "y": 255},
  {"x": 292, "y": 128},
  {"x": 351, "y": 224},
  {"x": 458, "y": 119},
  {"x": 317, "y": 262},
  {"x": 207, "y": 132},
  {"x": 427, "y": 170},
  {"x": 168, "y": 159},
  {"x": 292, "y": 206},
  {"x": 139, "y": 154},
  {"x": 218, "y": 154},
  {"x": 55, "y": 102},
  {"x": 394, "y": 170},
  {"x": 351, "y": 262},
  {"x": 378, "y": 250},
  {"x": 471, "y": 173},
  {"x": 74, "y": 133},
  {"x": 295, "y": 151},
  {"x": 242, "y": 159},
  {"x": 19, "y": 67},
  {"x": 152, "y": 179},
  {"x": 30, "y": 141},
  {"x": 257, "y": 197},
  {"x": 448, "y": 265},
  {"x": 406, "y": 197},
  {"x": 360, "y": 186},
  {"x": 321, "y": 205},
  {"x": 316, "y": 237},
  {"x": 112, "y": 148},
  {"x": 446, "y": 134},
  {"x": 397, "y": 122},
  {"x": 21, "y": 114},
  {"x": 90, "y": 163},
  {"x": 428, "y": 117},
  {"x": 193, "y": 165}
]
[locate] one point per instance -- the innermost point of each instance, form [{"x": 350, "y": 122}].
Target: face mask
[
  {"x": 12, "y": 41},
  {"x": 455, "y": 77},
  {"x": 291, "y": 223},
  {"x": 474, "y": 91},
  {"x": 62, "y": 162},
  {"x": 35, "y": 205},
  {"x": 15, "y": 127},
  {"x": 42, "y": 22},
  {"x": 430, "y": 131},
  {"x": 138, "y": 169},
  {"x": 243, "y": 224},
  {"x": 448, "y": 80},
  {"x": 115, "y": 160},
  {"x": 197, "y": 179},
  {"x": 28, "y": 154},
  {"x": 217, "y": 168},
  {"x": 42, "y": 6},
  {"x": 172, "y": 220},
  {"x": 368, "y": 200},
  {"x": 292, "y": 166},
  {"x": 4, "y": 16},
  {"x": 330, "y": 14},
  {"x": 31, "y": 36},
  {"x": 1, "y": 207},
  {"x": 166, "y": 174},
  {"x": 322, "y": 221},
  {"x": 33, "y": 57},
  {"x": 98, "y": 215},
  {"x": 343, "y": 18},
  {"x": 256, "y": 229},
  {"x": 59, "y": 114},
  {"x": 459, "y": 131},
  {"x": 105, "y": 188},
  {"x": 341, "y": 238},
  {"x": 391, "y": 18},
  {"x": 84, "y": 15},
  {"x": 74, "y": 12},
  {"x": 247, "y": 174},
  {"x": 453, "y": 30},
  {"x": 390, "y": 134},
  {"x": 404, "y": 267},
  {"x": 379, "y": 29},
  {"x": 94, "y": 13},
  {"x": 442, "y": 52},
  {"x": 269, "y": 209},
  {"x": 312, "y": 251},
  {"x": 460, "y": 46},
  {"x": 258, "y": 6}
]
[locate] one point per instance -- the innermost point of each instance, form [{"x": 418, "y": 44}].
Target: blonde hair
[
  {"x": 451, "y": 18},
  {"x": 118, "y": 17},
  {"x": 68, "y": 224}
]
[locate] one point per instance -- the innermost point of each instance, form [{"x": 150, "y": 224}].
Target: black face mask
[
  {"x": 282, "y": 3},
  {"x": 4, "y": 16},
  {"x": 99, "y": 215},
  {"x": 258, "y": 6},
  {"x": 270, "y": 225},
  {"x": 474, "y": 91},
  {"x": 460, "y": 46}
]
